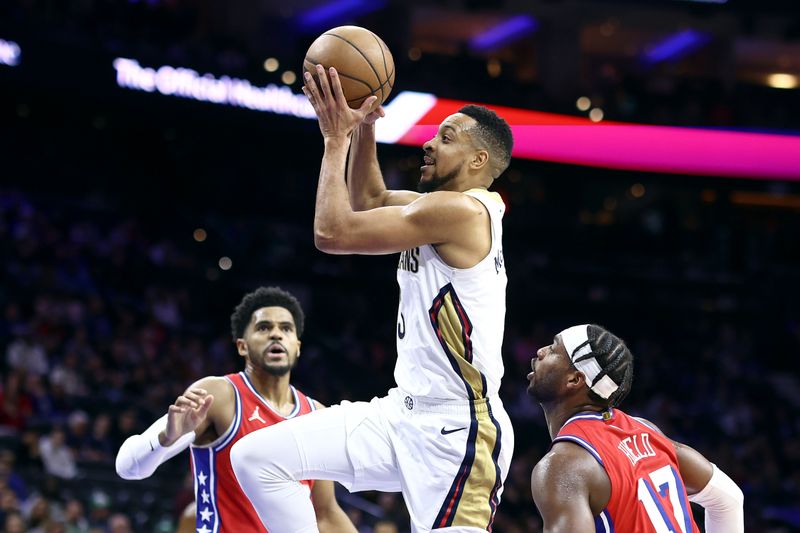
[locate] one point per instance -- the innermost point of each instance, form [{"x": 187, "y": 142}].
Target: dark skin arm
[{"x": 570, "y": 488}]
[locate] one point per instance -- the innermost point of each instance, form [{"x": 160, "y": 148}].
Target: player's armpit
[
  {"x": 435, "y": 218},
  {"x": 561, "y": 485}
]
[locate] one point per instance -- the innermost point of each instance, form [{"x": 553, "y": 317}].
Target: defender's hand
[{"x": 183, "y": 416}]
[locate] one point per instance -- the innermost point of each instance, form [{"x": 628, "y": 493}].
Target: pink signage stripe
[{"x": 652, "y": 148}]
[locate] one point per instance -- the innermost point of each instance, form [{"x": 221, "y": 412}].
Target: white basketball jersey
[{"x": 450, "y": 321}]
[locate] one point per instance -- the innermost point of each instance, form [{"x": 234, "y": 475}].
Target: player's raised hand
[
  {"x": 375, "y": 115},
  {"x": 336, "y": 118},
  {"x": 188, "y": 411}
]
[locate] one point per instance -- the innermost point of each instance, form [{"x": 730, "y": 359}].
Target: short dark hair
[
  {"x": 494, "y": 133},
  {"x": 265, "y": 297},
  {"x": 615, "y": 360}
]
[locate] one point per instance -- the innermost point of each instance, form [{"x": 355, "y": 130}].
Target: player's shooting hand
[
  {"x": 188, "y": 411},
  {"x": 336, "y": 118},
  {"x": 371, "y": 118}
]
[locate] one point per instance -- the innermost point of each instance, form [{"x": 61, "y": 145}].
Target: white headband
[{"x": 576, "y": 341}]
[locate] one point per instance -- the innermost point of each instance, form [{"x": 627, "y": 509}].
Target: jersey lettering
[
  {"x": 636, "y": 447},
  {"x": 498, "y": 261},
  {"x": 409, "y": 260}
]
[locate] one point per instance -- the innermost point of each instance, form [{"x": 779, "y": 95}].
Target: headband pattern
[{"x": 576, "y": 341}]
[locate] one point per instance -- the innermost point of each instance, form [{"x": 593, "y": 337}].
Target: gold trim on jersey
[
  {"x": 453, "y": 328},
  {"x": 472, "y": 499}
]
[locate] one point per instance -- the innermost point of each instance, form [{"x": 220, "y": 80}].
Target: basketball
[{"x": 361, "y": 58}]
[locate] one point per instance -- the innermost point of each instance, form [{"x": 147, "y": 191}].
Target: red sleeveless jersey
[
  {"x": 647, "y": 492},
  {"x": 222, "y": 506}
]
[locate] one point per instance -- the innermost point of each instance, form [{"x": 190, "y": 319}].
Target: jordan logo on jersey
[{"x": 256, "y": 416}]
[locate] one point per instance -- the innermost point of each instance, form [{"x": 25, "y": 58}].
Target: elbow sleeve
[
  {"x": 723, "y": 501},
  {"x": 140, "y": 455}
]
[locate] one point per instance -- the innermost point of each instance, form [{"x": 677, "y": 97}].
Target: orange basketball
[{"x": 361, "y": 58}]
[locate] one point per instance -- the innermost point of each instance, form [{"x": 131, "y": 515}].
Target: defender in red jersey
[
  {"x": 215, "y": 412},
  {"x": 607, "y": 471}
]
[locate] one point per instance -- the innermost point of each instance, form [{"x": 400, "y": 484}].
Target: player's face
[
  {"x": 446, "y": 154},
  {"x": 548, "y": 366},
  {"x": 270, "y": 341}
]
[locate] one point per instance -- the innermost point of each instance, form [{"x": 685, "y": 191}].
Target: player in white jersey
[{"x": 442, "y": 436}]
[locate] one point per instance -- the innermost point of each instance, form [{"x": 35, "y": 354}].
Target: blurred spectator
[
  {"x": 75, "y": 518},
  {"x": 99, "y": 510},
  {"x": 14, "y": 523},
  {"x": 99, "y": 447},
  {"x": 119, "y": 523},
  {"x": 16, "y": 405},
  {"x": 57, "y": 457},
  {"x": 9, "y": 477},
  {"x": 25, "y": 353}
]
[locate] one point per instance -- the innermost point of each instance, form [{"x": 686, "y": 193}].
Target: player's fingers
[
  {"x": 194, "y": 396},
  {"x": 205, "y": 405},
  {"x": 183, "y": 401},
  {"x": 380, "y": 111},
  {"x": 336, "y": 85},
  {"x": 175, "y": 409},
  {"x": 311, "y": 86},
  {"x": 323, "y": 83},
  {"x": 367, "y": 104},
  {"x": 198, "y": 391}
]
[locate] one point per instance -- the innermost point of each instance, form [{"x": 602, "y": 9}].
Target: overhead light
[
  {"x": 504, "y": 33},
  {"x": 583, "y": 103},
  {"x": 288, "y": 77},
  {"x": 675, "y": 46},
  {"x": 271, "y": 64},
  {"x": 596, "y": 114},
  {"x": 328, "y": 14},
  {"x": 783, "y": 81}
]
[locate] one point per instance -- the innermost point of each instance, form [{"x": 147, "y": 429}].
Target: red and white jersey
[
  {"x": 647, "y": 492},
  {"x": 221, "y": 504}
]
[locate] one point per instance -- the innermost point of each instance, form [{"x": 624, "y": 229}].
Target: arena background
[{"x": 131, "y": 223}]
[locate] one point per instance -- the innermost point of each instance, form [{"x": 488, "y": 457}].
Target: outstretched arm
[
  {"x": 364, "y": 179},
  {"x": 710, "y": 487},
  {"x": 140, "y": 455}
]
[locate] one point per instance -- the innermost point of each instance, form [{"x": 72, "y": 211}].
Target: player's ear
[
  {"x": 241, "y": 347},
  {"x": 299, "y": 343},
  {"x": 575, "y": 379},
  {"x": 479, "y": 159}
]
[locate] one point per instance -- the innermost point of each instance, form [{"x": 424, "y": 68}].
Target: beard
[
  {"x": 542, "y": 389},
  {"x": 437, "y": 182},
  {"x": 279, "y": 370}
]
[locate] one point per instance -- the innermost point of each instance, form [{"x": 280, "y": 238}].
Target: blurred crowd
[
  {"x": 116, "y": 213},
  {"x": 105, "y": 320}
]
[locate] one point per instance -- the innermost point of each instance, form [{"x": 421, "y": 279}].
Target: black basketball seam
[
  {"x": 385, "y": 68},
  {"x": 377, "y": 76},
  {"x": 373, "y": 92},
  {"x": 311, "y": 60}
]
